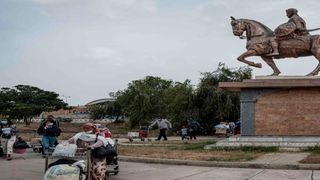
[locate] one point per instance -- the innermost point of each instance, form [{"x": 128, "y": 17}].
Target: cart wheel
[
  {"x": 35, "y": 150},
  {"x": 142, "y": 139},
  {"x": 116, "y": 169},
  {"x": 107, "y": 176}
]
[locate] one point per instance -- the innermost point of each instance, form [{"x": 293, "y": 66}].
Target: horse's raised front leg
[
  {"x": 248, "y": 54},
  {"x": 271, "y": 63}
]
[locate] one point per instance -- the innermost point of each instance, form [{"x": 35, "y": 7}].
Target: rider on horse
[{"x": 295, "y": 28}]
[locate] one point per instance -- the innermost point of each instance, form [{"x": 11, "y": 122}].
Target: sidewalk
[{"x": 267, "y": 161}]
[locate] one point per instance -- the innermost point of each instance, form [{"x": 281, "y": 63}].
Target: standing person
[
  {"x": 50, "y": 132},
  {"x": 8, "y": 137},
  {"x": 232, "y": 125},
  {"x": 90, "y": 140},
  {"x": 163, "y": 125},
  {"x": 184, "y": 133},
  {"x": 194, "y": 126}
]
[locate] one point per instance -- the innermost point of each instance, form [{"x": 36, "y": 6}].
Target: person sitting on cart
[
  {"x": 163, "y": 125},
  {"x": 90, "y": 140}
]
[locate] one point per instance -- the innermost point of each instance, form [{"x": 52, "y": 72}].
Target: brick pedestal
[{"x": 279, "y": 106}]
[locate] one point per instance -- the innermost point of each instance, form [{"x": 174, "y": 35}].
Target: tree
[
  {"x": 25, "y": 102},
  {"x": 215, "y": 104},
  {"x": 110, "y": 108},
  {"x": 144, "y": 99},
  {"x": 179, "y": 103}
]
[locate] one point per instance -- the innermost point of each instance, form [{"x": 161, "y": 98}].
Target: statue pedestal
[{"x": 278, "y": 106}]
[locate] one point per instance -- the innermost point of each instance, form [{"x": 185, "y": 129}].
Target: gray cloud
[{"x": 85, "y": 49}]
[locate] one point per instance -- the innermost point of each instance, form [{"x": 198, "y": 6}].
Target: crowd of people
[{"x": 92, "y": 138}]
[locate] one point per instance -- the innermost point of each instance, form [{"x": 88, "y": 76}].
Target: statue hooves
[{"x": 274, "y": 74}]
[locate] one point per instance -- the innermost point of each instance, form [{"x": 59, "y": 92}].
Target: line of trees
[
  {"x": 25, "y": 102},
  {"x": 143, "y": 100},
  {"x": 154, "y": 97}
]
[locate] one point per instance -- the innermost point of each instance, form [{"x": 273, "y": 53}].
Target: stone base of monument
[
  {"x": 278, "y": 106},
  {"x": 283, "y": 142},
  {"x": 277, "y": 111}
]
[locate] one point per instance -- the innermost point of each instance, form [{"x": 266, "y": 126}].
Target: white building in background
[
  {"x": 100, "y": 101},
  {"x": 78, "y": 114}
]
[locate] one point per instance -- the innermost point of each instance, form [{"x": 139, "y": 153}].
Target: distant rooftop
[{"x": 98, "y": 101}]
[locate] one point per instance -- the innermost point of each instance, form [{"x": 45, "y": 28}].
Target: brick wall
[{"x": 288, "y": 112}]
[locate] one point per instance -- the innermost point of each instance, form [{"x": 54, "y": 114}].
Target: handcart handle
[{"x": 88, "y": 164}]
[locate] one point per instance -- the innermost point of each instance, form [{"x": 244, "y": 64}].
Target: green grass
[
  {"x": 315, "y": 149},
  {"x": 176, "y": 145},
  {"x": 257, "y": 149},
  {"x": 187, "y": 146},
  {"x": 194, "y": 150}
]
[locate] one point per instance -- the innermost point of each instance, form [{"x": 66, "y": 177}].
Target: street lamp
[{"x": 66, "y": 98}]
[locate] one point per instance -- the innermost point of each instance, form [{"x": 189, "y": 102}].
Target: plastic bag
[
  {"x": 62, "y": 172},
  {"x": 65, "y": 149}
]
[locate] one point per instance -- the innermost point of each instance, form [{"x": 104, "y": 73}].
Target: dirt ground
[
  {"x": 68, "y": 130},
  {"x": 313, "y": 158}
]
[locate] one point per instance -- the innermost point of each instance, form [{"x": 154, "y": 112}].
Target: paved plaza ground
[
  {"x": 30, "y": 166},
  {"x": 32, "y": 169}
]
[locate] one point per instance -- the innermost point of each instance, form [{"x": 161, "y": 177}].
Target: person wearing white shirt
[{"x": 163, "y": 125}]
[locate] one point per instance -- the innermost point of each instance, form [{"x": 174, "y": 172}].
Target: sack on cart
[
  {"x": 65, "y": 149},
  {"x": 66, "y": 171}
]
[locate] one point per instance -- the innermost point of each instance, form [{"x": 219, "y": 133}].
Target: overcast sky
[{"x": 87, "y": 48}]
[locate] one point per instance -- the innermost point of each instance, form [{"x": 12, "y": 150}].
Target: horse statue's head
[
  {"x": 238, "y": 27},
  {"x": 251, "y": 27}
]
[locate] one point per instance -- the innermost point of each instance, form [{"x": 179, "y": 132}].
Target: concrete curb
[{"x": 221, "y": 164}]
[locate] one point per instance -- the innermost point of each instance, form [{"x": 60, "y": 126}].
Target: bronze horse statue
[{"x": 258, "y": 44}]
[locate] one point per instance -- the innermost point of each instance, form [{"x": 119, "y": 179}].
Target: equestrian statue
[{"x": 290, "y": 39}]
